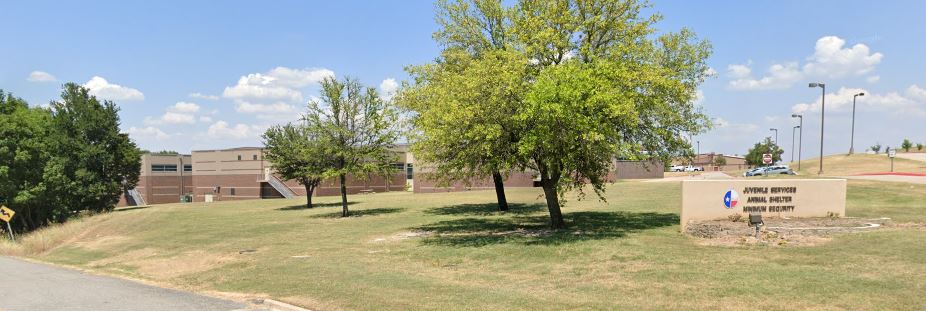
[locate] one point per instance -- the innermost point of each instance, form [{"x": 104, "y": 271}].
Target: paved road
[
  {"x": 31, "y": 286},
  {"x": 694, "y": 176}
]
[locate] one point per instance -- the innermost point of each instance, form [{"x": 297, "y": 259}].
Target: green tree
[
  {"x": 876, "y": 148},
  {"x": 464, "y": 102},
  {"x": 355, "y": 126},
  {"x": 720, "y": 160},
  {"x": 24, "y": 153},
  {"x": 754, "y": 155},
  {"x": 295, "y": 152},
  {"x": 92, "y": 163},
  {"x": 919, "y": 146},
  {"x": 906, "y": 145},
  {"x": 606, "y": 86}
]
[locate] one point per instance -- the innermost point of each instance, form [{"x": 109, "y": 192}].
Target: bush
[
  {"x": 876, "y": 148},
  {"x": 906, "y": 145}
]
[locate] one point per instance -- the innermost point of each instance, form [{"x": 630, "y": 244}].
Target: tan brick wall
[{"x": 423, "y": 184}]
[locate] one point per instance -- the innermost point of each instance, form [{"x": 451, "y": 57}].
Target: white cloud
[
  {"x": 388, "y": 88},
  {"x": 101, "y": 88},
  {"x": 203, "y": 96},
  {"x": 736, "y": 128},
  {"x": 247, "y": 107},
  {"x": 41, "y": 76},
  {"x": 910, "y": 103},
  {"x": 779, "y": 76},
  {"x": 205, "y": 119},
  {"x": 699, "y": 98},
  {"x": 738, "y": 71},
  {"x": 171, "y": 117},
  {"x": 278, "y": 84},
  {"x": 221, "y": 130},
  {"x": 185, "y": 107},
  {"x": 149, "y": 131},
  {"x": 710, "y": 72},
  {"x": 873, "y": 79},
  {"x": 831, "y": 60},
  {"x": 916, "y": 92}
]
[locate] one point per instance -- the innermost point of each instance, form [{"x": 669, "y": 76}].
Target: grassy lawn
[
  {"x": 623, "y": 254},
  {"x": 845, "y": 165}
]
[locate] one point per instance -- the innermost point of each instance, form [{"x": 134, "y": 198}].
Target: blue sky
[{"x": 198, "y": 75}]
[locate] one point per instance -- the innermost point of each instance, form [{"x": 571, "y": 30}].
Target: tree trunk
[
  {"x": 344, "y": 212},
  {"x": 500, "y": 191},
  {"x": 549, "y": 191},
  {"x": 308, "y": 195}
]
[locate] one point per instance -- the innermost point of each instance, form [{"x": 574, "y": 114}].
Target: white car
[
  {"x": 677, "y": 168},
  {"x": 694, "y": 169}
]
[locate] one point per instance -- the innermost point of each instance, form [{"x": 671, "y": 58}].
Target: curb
[{"x": 277, "y": 305}]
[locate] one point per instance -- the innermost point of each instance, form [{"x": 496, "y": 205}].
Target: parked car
[
  {"x": 770, "y": 170},
  {"x": 694, "y": 169},
  {"x": 677, "y": 168},
  {"x": 754, "y": 172}
]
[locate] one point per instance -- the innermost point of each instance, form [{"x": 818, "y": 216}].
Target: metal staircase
[
  {"x": 280, "y": 187},
  {"x": 139, "y": 200}
]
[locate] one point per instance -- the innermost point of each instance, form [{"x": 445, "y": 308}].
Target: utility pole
[
  {"x": 793, "y": 130},
  {"x": 852, "y": 141},
  {"x": 822, "y": 119},
  {"x": 800, "y": 139}
]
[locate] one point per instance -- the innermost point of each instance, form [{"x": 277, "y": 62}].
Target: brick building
[{"x": 243, "y": 174}]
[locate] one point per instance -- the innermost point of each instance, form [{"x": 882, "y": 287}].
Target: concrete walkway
[
  {"x": 31, "y": 286},
  {"x": 694, "y": 176},
  {"x": 912, "y": 156}
]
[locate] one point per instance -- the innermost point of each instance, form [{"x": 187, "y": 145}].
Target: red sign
[{"x": 767, "y": 158}]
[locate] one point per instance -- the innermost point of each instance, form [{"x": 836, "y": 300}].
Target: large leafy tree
[
  {"x": 464, "y": 102},
  {"x": 601, "y": 84},
  {"x": 754, "y": 155},
  {"x": 357, "y": 127},
  {"x": 24, "y": 139},
  {"x": 297, "y": 153},
  {"x": 92, "y": 163},
  {"x": 607, "y": 86}
]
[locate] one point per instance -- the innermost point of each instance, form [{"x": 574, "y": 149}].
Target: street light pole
[
  {"x": 793, "y": 130},
  {"x": 800, "y": 139},
  {"x": 822, "y": 119},
  {"x": 699, "y": 148},
  {"x": 852, "y": 141},
  {"x": 776, "y": 135}
]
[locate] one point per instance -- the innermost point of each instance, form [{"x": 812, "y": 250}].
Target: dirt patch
[
  {"x": 400, "y": 236},
  {"x": 156, "y": 266},
  {"x": 781, "y": 231}
]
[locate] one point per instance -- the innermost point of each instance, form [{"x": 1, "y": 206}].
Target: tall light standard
[
  {"x": 800, "y": 139},
  {"x": 776, "y": 134},
  {"x": 852, "y": 142},
  {"x": 793, "y": 130},
  {"x": 822, "y": 118}
]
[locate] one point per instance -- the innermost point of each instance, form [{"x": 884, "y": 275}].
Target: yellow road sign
[{"x": 6, "y": 214}]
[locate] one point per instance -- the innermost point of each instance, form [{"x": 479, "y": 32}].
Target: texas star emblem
[{"x": 730, "y": 199}]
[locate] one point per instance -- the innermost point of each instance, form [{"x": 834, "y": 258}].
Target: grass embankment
[
  {"x": 848, "y": 165},
  {"x": 624, "y": 254}
]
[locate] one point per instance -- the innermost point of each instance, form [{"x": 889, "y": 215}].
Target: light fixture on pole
[
  {"x": 793, "y": 130},
  {"x": 822, "y": 119},
  {"x": 852, "y": 141},
  {"x": 800, "y": 139},
  {"x": 776, "y": 134}
]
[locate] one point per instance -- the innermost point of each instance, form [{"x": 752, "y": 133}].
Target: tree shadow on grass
[
  {"x": 360, "y": 213},
  {"x": 300, "y": 207},
  {"x": 486, "y": 209},
  {"x": 534, "y": 230}
]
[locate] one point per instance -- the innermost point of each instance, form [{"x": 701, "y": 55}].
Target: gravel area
[{"x": 781, "y": 231}]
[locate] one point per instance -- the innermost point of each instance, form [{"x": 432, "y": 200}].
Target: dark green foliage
[
  {"x": 754, "y": 156},
  {"x": 906, "y": 145},
  {"x": 57, "y": 162}
]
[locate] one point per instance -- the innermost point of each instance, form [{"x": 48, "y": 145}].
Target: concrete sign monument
[{"x": 718, "y": 199}]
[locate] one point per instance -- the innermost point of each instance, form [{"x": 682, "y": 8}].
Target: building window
[
  {"x": 255, "y": 157},
  {"x": 409, "y": 172},
  {"x": 239, "y": 157},
  {"x": 163, "y": 167},
  {"x": 232, "y": 191},
  {"x": 398, "y": 166},
  {"x": 188, "y": 167}
]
